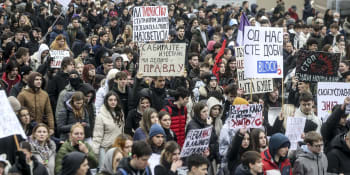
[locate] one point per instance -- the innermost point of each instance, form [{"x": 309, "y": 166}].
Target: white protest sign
[
  {"x": 295, "y": 127},
  {"x": 245, "y": 116},
  {"x": 64, "y": 3},
  {"x": 150, "y": 23},
  {"x": 58, "y": 56},
  {"x": 263, "y": 52},
  {"x": 9, "y": 124},
  {"x": 153, "y": 161},
  {"x": 197, "y": 141},
  {"x": 330, "y": 94},
  {"x": 261, "y": 85},
  {"x": 162, "y": 59},
  {"x": 273, "y": 113}
]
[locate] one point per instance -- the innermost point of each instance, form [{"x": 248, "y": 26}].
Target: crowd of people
[{"x": 97, "y": 114}]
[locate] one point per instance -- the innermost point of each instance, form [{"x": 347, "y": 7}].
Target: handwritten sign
[
  {"x": 257, "y": 86},
  {"x": 150, "y": 23},
  {"x": 197, "y": 141},
  {"x": 295, "y": 127},
  {"x": 317, "y": 66},
  {"x": 263, "y": 52},
  {"x": 58, "y": 56},
  {"x": 245, "y": 116},
  {"x": 330, "y": 94},
  {"x": 9, "y": 124},
  {"x": 162, "y": 59}
]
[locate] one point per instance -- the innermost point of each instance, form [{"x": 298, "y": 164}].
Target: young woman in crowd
[
  {"x": 60, "y": 43},
  {"x": 169, "y": 160},
  {"x": 90, "y": 76},
  {"x": 25, "y": 120},
  {"x": 75, "y": 143},
  {"x": 258, "y": 140},
  {"x": 156, "y": 138},
  {"x": 124, "y": 142},
  {"x": 73, "y": 112},
  {"x": 43, "y": 148},
  {"x": 112, "y": 158},
  {"x": 215, "y": 112},
  {"x": 109, "y": 124},
  {"x": 165, "y": 122},
  {"x": 149, "y": 117}
]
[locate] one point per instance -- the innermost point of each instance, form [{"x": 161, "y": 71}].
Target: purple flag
[{"x": 243, "y": 22}]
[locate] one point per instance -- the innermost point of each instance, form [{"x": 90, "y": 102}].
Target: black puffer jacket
[
  {"x": 339, "y": 156},
  {"x": 55, "y": 86}
]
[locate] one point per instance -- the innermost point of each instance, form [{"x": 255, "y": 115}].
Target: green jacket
[{"x": 67, "y": 148}]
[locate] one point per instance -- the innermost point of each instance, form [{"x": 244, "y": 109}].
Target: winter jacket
[
  {"x": 311, "y": 117},
  {"x": 66, "y": 119},
  {"x": 55, "y": 32},
  {"x": 234, "y": 153},
  {"x": 64, "y": 96},
  {"x": 132, "y": 121},
  {"x": 37, "y": 153},
  {"x": 309, "y": 163},
  {"x": 164, "y": 169},
  {"x": 55, "y": 86},
  {"x": 197, "y": 36},
  {"x": 243, "y": 170},
  {"x": 17, "y": 88},
  {"x": 67, "y": 148},
  {"x": 170, "y": 135},
  {"x": 72, "y": 32},
  {"x": 78, "y": 47},
  {"x": 158, "y": 97},
  {"x": 21, "y": 166},
  {"x": 105, "y": 130},
  {"x": 331, "y": 127},
  {"x": 217, "y": 122},
  {"x": 140, "y": 135},
  {"x": 197, "y": 123},
  {"x": 269, "y": 164},
  {"x": 36, "y": 57},
  {"x": 124, "y": 165},
  {"x": 178, "y": 121},
  {"x": 72, "y": 162},
  {"x": 38, "y": 104},
  {"x": 339, "y": 156}
]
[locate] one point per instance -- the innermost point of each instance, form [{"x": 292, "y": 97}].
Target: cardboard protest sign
[
  {"x": 330, "y": 94},
  {"x": 9, "y": 124},
  {"x": 245, "y": 116},
  {"x": 262, "y": 85},
  {"x": 317, "y": 66},
  {"x": 162, "y": 59},
  {"x": 197, "y": 141},
  {"x": 150, "y": 23},
  {"x": 295, "y": 127},
  {"x": 263, "y": 52},
  {"x": 58, "y": 56}
]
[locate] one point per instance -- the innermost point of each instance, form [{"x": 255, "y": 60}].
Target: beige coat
[{"x": 105, "y": 130}]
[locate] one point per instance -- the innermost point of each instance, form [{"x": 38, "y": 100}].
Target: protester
[
  {"x": 124, "y": 142},
  {"x": 25, "y": 120},
  {"x": 112, "y": 158},
  {"x": 75, "y": 163},
  {"x": 251, "y": 164},
  {"x": 339, "y": 154},
  {"x": 170, "y": 159},
  {"x": 197, "y": 165},
  {"x": 165, "y": 122},
  {"x": 149, "y": 117}
]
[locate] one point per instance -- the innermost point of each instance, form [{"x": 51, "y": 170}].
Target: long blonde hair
[
  {"x": 55, "y": 46},
  {"x": 130, "y": 33}
]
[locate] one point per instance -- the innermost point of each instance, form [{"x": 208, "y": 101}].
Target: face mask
[{"x": 75, "y": 82}]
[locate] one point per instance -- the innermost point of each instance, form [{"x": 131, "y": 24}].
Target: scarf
[{"x": 44, "y": 151}]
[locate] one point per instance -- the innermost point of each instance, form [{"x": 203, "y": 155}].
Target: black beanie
[{"x": 71, "y": 162}]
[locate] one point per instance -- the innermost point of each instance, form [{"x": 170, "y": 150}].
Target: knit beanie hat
[
  {"x": 240, "y": 101},
  {"x": 155, "y": 130}
]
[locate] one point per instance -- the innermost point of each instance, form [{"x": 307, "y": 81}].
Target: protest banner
[
  {"x": 263, "y": 52},
  {"x": 261, "y": 85},
  {"x": 150, "y": 23},
  {"x": 58, "y": 56},
  {"x": 274, "y": 112},
  {"x": 314, "y": 66},
  {"x": 196, "y": 142},
  {"x": 330, "y": 94},
  {"x": 245, "y": 116},
  {"x": 162, "y": 59},
  {"x": 9, "y": 124},
  {"x": 294, "y": 129}
]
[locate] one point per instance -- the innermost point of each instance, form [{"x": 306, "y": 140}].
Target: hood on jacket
[
  {"x": 31, "y": 79},
  {"x": 87, "y": 88},
  {"x": 71, "y": 162},
  {"x": 107, "y": 165},
  {"x": 212, "y": 101},
  {"x": 277, "y": 141},
  {"x": 37, "y": 55}
]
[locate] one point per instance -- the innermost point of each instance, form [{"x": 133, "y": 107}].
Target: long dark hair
[
  {"x": 167, "y": 153},
  {"x": 118, "y": 115}
]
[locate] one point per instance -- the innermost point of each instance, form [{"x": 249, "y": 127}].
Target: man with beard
[{"x": 180, "y": 36}]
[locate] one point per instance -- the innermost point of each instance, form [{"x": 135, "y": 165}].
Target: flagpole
[{"x": 16, "y": 141}]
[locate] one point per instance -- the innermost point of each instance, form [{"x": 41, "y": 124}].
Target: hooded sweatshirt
[
  {"x": 36, "y": 57},
  {"x": 310, "y": 163},
  {"x": 269, "y": 164},
  {"x": 107, "y": 166},
  {"x": 71, "y": 162},
  {"x": 217, "y": 122}
]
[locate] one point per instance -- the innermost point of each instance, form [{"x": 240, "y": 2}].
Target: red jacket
[
  {"x": 178, "y": 121},
  {"x": 269, "y": 165}
]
